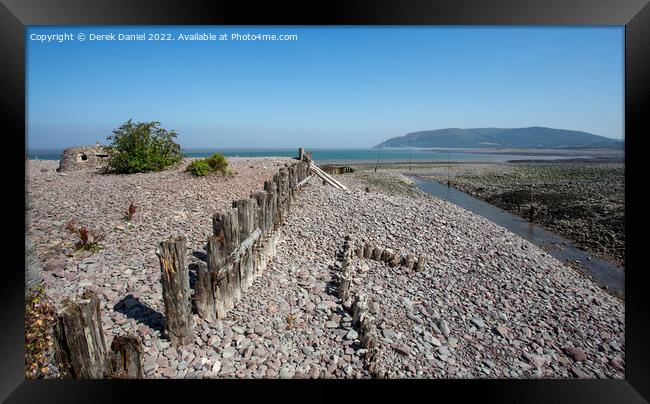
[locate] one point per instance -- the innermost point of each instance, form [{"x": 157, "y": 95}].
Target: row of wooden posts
[
  {"x": 357, "y": 302},
  {"x": 391, "y": 257},
  {"x": 243, "y": 239}
]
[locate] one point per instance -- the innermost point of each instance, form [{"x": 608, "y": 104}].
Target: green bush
[
  {"x": 142, "y": 147},
  {"x": 200, "y": 168},
  {"x": 218, "y": 163}
]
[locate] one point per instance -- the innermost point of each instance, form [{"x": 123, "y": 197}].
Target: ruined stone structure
[{"x": 83, "y": 158}]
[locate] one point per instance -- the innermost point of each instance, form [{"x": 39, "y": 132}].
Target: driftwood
[
  {"x": 179, "y": 323},
  {"x": 126, "y": 358},
  {"x": 79, "y": 339}
]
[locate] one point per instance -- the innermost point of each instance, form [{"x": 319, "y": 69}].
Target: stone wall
[{"x": 83, "y": 158}]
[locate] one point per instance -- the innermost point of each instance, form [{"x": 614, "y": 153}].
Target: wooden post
[
  {"x": 367, "y": 252},
  {"x": 395, "y": 261},
  {"x": 204, "y": 294},
  {"x": 179, "y": 323},
  {"x": 247, "y": 219},
  {"x": 376, "y": 253},
  {"x": 261, "y": 216},
  {"x": 216, "y": 254},
  {"x": 301, "y": 153},
  {"x": 226, "y": 226},
  {"x": 234, "y": 282},
  {"x": 223, "y": 297},
  {"x": 369, "y": 339},
  {"x": 246, "y": 269},
  {"x": 410, "y": 261},
  {"x": 126, "y": 358},
  {"x": 259, "y": 259},
  {"x": 79, "y": 339},
  {"x": 387, "y": 255},
  {"x": 272, "y": 188},
  {"x": 360, "y": 308},
  {"x": 345, "y": 280}
]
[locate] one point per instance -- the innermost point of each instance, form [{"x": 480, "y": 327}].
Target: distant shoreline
[{"x": 401, "y": 155}]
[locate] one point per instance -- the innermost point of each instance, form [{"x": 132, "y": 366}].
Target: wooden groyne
[{"x": 243, "y": 240}]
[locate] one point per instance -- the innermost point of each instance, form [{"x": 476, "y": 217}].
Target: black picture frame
[{"x": 15, "y": 15}]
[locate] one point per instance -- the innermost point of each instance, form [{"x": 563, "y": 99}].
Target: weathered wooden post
[
  {"x": 272, "y": 188},
  {"x": 376, "y": 253},
  {"x": 359, "y": 251},
  {"x": 419, "y": 266},
  {"x": 259, "y": 250},
  {"x": 387, "y": 255},
  {"x": 360, "y": 308},
  {"x": 247, "y": 218},
  {"x": 395, "y": 260},
  {"x": 301, "y": 153},
  {"x": 79, "y": 339},
  {"x": 225, "y": 225},
  {"x": 225, "y": 280},
  {"x": 234, "y": 283},
  {"x": 126, "y": 358},
  {"x": 179, "y": 323},
  {"x": 410, "y": 261},
  {"x": 204, "y": 300},
  {"x": 345, "y": 281},
  {"x": 367, "y": 252}
]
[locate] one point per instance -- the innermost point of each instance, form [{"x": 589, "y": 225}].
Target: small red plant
[
  {"x": 130, "y": 212},
  {"x": 83, "y": 238},
  {"x": 89, "y": 240}
]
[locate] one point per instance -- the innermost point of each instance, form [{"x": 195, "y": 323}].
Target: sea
[{"x": 343, "y": 156}]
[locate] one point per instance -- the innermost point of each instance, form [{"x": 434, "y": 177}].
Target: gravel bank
[
  {"x": 490, "y": 304},
  {"x": 583, "y": 202}
]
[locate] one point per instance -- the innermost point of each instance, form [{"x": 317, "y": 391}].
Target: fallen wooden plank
[
  {"x": 303, "y": 182},
  {"x": 340, "y": 184},
  {"x": 328, "y": 178}
]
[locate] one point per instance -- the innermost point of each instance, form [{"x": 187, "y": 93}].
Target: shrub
[
  {"x": 218, "y": 163},
  {"x": 141, "y": 147},
  {"x": 199, "y": 168}
]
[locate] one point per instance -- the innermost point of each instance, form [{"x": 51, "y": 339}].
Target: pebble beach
[{"x": 488, "y": 305}]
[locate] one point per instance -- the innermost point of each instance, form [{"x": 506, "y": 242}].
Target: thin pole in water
[
  {"x": 409, "y": 154},
  {"x": 378, "y": 157},
  {"x": 448, "y": 167}
]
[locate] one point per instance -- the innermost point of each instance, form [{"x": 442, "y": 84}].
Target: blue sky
[{"x": 333, "y": 87}]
